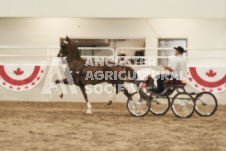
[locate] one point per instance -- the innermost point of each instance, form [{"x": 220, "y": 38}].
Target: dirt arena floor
[{"x": 30, "y": 126}]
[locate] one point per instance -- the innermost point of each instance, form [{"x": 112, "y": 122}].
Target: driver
[{"x": 178, "y": 70}]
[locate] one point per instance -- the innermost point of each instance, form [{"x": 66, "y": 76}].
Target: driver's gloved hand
[{"x": 150, "y": 82}]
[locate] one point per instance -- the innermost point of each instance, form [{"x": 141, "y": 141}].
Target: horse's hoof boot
[
  {"x": 110, "y": 102},
  {"x": 88, "y": 112},
  {"x": 61, "y": 95}
]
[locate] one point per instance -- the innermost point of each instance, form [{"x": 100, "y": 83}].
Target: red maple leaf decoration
[
  {"x": 18, "y": 71},
  {"x": 211, "y": 73}
]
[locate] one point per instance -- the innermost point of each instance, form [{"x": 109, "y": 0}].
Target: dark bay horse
[{"x": 79, "y": 70}]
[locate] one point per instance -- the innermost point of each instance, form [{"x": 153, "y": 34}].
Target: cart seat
[{"x": 175, "y": 83}]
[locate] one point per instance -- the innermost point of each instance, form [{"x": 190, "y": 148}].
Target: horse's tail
[{"x": 131, "y": 74}]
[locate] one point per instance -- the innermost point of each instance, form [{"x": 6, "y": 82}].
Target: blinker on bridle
[{"x": 64, "y": 44}]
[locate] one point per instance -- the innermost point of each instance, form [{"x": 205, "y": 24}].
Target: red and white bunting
[
  {"x": 20, "y": 77},
  {"x": 211, "y": 79}
]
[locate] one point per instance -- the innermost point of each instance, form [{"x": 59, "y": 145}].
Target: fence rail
[
  {"x": 51, "y": 49},
  {"x": 51, "y": 52}
]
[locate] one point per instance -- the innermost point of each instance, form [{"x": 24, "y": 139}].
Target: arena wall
[{"x": 35, "y": 32}]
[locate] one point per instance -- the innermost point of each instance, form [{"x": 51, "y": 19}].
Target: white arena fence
[
  {"x": 212, "y": 56},
  {"x": 211, "y": 61},
  {"x": 40, "y": 54},
  {"x": 195, "y": 56}
]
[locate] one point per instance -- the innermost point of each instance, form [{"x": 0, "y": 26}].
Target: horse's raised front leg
[
  {"x": 89, "y": 107},
  {"x": 64, "y": 81}
]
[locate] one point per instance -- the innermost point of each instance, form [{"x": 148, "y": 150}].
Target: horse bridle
[{"x": 63, "y": 46}]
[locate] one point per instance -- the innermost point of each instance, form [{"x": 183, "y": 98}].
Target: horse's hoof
[
  {"x": 88, "y": 112},
  {"x": 110, "y": 102},
  {"x": 61, "y": 95}
]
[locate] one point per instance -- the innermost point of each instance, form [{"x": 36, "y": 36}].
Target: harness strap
[{"x": 80, "y": 72}]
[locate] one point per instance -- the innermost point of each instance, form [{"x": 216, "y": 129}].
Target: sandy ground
[{"x": 30, "y": 126}]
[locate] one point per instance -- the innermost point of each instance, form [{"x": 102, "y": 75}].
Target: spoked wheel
[
  {"x": 183, "y": 105},
  {"x": 160, "y": 106},
  {"x": 138, "y": 104},
  {"x": 205, "y": 104}
]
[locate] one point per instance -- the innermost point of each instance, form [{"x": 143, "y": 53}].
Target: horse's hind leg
[
  {"x": 135, "y": 96},
  {"x": 111, "y": 98},
  {"x": 89, "y": 107},
  {"x": 125, "y": 91}
]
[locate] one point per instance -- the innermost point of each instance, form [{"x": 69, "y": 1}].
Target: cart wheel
[
  {"x": 205, "y": 104},
  {"x": 183, "y": 105},
  {"x": 138, "y": 104},
  {"x": 160, "y": 106}
]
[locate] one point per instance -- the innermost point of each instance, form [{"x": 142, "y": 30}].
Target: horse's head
[{"x": 64, "y": 48}]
